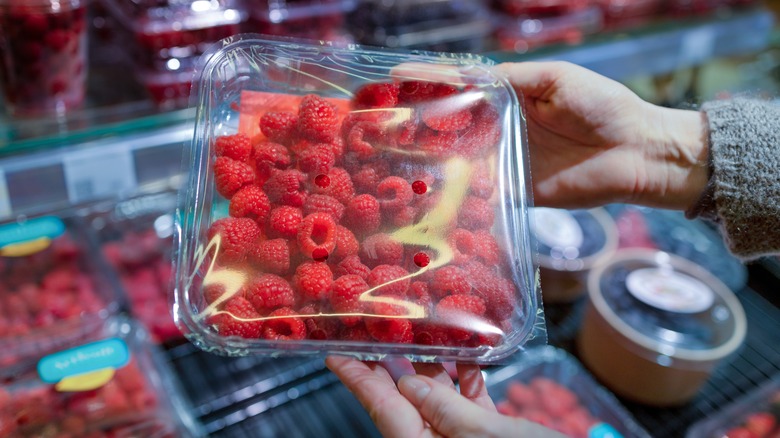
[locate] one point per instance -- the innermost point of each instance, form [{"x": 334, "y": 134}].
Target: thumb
[{"x": 533, "y": 79}]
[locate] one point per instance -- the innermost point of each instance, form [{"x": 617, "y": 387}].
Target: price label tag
[
  {"x": 5, "y": 199},
  {"x": 91, "y": 175}
]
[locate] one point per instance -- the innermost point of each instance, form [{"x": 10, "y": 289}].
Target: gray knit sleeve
[{"x": 743, "y": 195}]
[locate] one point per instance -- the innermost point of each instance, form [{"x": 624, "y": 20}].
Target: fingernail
[{"x": 414, "y": 389}]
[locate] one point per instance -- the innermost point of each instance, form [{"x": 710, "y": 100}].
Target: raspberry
[
  {"x": 446, "y": 115},
  {"x": 318, "y": 158},
  {"x": 381, "y": 249},
  {"x": 431, "y": 334},
  {"x": 392, "y": 330},
  {"x": 230, "y": 175},
  {"x": 484, "y": 132},
  {"x": 419, "y": 294},
  {"x": 320, "y": 327},
  {"x": 351, "y": 265},
  {"x": 481, "y": 184},
  {"x": 389, "y": 280},
  {"x": 357, "y": 333},
  {"x": 486, "y": 247},
  {"x": 317, "y": 119},
  {"x": 436, "y": 143},
  {"x": 272, "y": 256},
  {"x": 381, "y": 95},
  {"x": 214, "y": 291},
  {"x": 317, "y": 231},
  {"x": 460, "y": 314},
  {"x": 337, "y": 146},
  {"x": 421, "y": 259},
  {"x": 394, "y": 193},
  {"x": 365, "y": 139},
  {"x": 368, "y": 177},
  {"x": 237, "y": 147},
  {"x": 345, "y": 297},
  {"x": 279, "y": 126},
  {"x": 57, "y": 39},
  {"x": 476, "y": 213},
  {"x": 404, "y": 217},
  {"x": 313, "y": 280},
  {"x": 288, "y": 328},
  {"x": 463, "y": 244},
  {"x": 284, "y": 221},
  {"x": 324, "y": 204},
  {"x": 238, "y": 236},
  {"x": 416, "y": 91},
  {"x": 270, "y": 155},
  {"x": 346, "y": 243},
  {"x": 251, "y": 202},
  {"x": 362, "y": 214},
  {"x": 449, "y": 280},
  {"x": 270, "y": 291},
  {"x": 238, "y": 321},
  {"x": 339, "y": 185},
  {"x": 286, "y": 187},
  {"x": 405, "y": 132}
]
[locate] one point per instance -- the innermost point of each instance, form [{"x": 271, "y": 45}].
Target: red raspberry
[
  {"x": 57, "y": 39},
  {"x": 279, "y": 126},
  {"x": 346, "y": 243},
  {"x": 339, "y": 185},
  {"x": 270, "y": 155},
  {"x": 483, "y": 134},
  {"x": 365, "y": 139},
  {"x": 446, "y": 115},
  {"x": 486, "y": 247},
  {"x": 321, "y": 327},
  {"x": 313, "y": 280},
  {"x": 230, "y": 175},
  {"x": 392, "y": 330},
  {"x": 389, "y": 280},
  {"x": 416, "y": 91},
  {"x": 449, "y": 280},
  {"x": 436, "y": 143},
  {"x": 380, "y": 95},
  {"x": 404, "y": 217},
  {"x": 237, "y": 147},
  {"x": 476, "y": 213},
  {"x": 381, "y": 249},
  {"x": 286, "y": 187},
  {"x": 351, "y": 265},
  {"x": 463, "y": 244},
  {"x": 272, "y": 256},
  {"x": 317, "y": 158},
  {"x": 238, "y": 236},
  {"x": 420, "y": 295},
  {"x": 362, "y": 214},
  {"x": 368, "y": 177},
  {"x": 248, "y": 325},
  {"x": 481, "y": 184},
  {"x": 269, "y": 292},
  {"x": 337, "y": 146},
  {"x": 431, "y": 334},
  {"x": 250, "y": 202},
  {"x": 406, "y": 131},
  {"x": 394, "y": 193},
  {"x": 357, "y": 333},
  {"x": 317, "y": 232},
  {"x": 323, "y": 204},
  {"x": 318, "y": 119},
  {"x": 288, "y": 328},
  {"x": 345, "y": 297},
  {"x": 284, "y": 221},
  {"x": 461, "y": 314},
  {"x": 214, "y": 291}
]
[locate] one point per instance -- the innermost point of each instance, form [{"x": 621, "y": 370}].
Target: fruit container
[
  {"x": 754, "y": 415},
  {"x": 109, "y": 383},
  {"x": 43, "y": 56},
  {"x": 167, "y": 89},
  {"x": 550, "y": 387},
  {"x": 365, "y": 202},
  {"x": 452, "y": 26},
  {"x": 539, "y": 8},
  {"x": 305, "y": 19},
  {"x": 569, "y": 244},
  {"x": 53, "y": 288},
  {"x": 135, "y": 236},
  {"x": 656, "y": 326},
  {"x": 670, "y": 231},
  {"x": 523, "y": 34},
  {"x": 624, "y": 14}
]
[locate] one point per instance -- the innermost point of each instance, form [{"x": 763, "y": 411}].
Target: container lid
[
  {"x": 572, "y": 240},
  {"x": 668, "y": 305},
  {"x": 178, "y": 17}
]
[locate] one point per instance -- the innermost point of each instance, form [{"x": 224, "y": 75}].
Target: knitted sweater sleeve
[{"x": 743, "y": 194}]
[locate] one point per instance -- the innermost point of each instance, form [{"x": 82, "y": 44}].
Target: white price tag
[
  {"x": 92, "y": 174},
  {"x": 697, "y": 46},
  {"x": 5, "y": 199}
]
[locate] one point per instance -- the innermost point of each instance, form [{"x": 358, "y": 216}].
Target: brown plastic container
[
  {"x": 656, "y": 326},
  {"x": 569, "y": 244}
]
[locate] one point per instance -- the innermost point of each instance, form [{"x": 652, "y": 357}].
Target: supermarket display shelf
[{"x": 664, "y": 47}]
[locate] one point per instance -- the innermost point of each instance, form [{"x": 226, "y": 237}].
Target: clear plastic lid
[
  {"x": 357, "y": 201},
  {"x": 172, "y": 18},
  {"x": 549, "y": 386},
  {"x": 668, "y": 305}
]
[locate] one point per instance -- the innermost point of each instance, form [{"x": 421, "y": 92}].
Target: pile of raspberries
[{"x": 315, "y": 200}]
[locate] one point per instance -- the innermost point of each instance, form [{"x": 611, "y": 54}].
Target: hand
[
  {"x": 427, "y": 404},
  {"x": 592, "y": 141}
]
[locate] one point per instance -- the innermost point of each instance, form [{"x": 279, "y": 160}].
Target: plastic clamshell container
[
  {"x": 311, "y": 19},
  {"x": 760, "y": 406},
  {"x": 547, "y": 363},
  {"x": 112, "y": 381},
  {"x": 413, "y": 212},
  {"x": 539, "y": 7},
  {"x": 136, "y": 238},
  {"x": 531, "y": 32},
  {"x": 656, "y": 326},
  {"x": 53, "y": 287},
  {"x": 569, "y": 244}
]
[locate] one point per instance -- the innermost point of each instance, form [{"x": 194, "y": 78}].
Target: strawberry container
[
  {"x": 570, "y": 244},
  {"x": 549, "y": 386},
  {"x": 111, "y": 382},
  {"x": 309, "y": 19},
  {"x": 755, "y": 415},
  {"x": 356, "y": 201},
  {"x": 539, "y": 8},
  {"x": 522, "y": 34},
  {"x": 53, "y": 288},
  {"x": 43, "y": 56},
  {"x": 656, "y": 326}
]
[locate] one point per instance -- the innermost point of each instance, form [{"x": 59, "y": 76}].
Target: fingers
[
  {"x": 472, "y": 386},
  {"x": 392, "y": 414},
  {"x": 533, "y": 79},
  {"x": 435, "y": 371}
]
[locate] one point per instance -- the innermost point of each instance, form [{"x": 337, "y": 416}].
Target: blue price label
[{"x": 110, "y": 353}]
